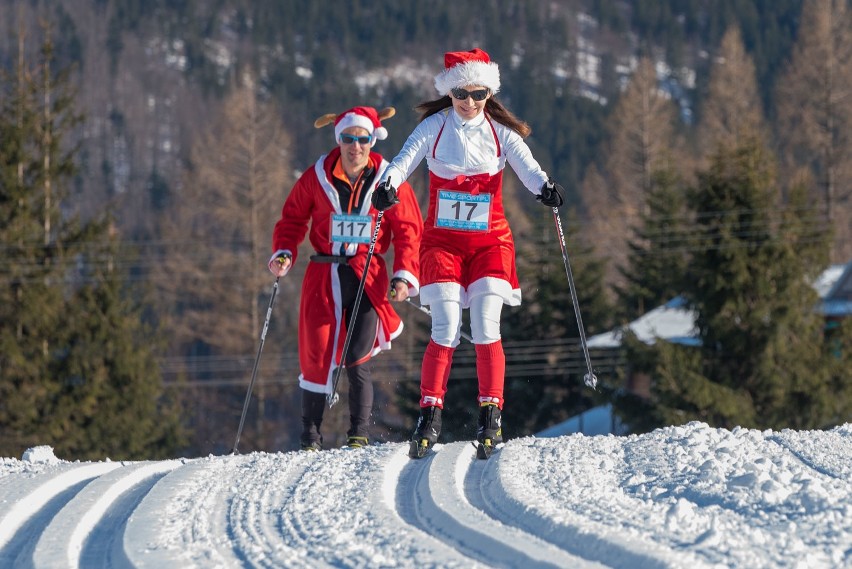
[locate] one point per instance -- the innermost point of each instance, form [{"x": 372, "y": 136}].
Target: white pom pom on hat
[{"x": 462, "y": 68}]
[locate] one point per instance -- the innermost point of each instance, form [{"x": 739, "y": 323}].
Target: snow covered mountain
[{"x": 688, "y": 496}]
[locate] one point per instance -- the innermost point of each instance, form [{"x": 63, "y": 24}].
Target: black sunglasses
[
  {"x": 462, "y": 94},
  {"x": 352, "y": 139}
]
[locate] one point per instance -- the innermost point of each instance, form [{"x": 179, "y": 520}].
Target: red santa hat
[
  {"x": 462, "y": 68},
  {"x": 365, "y": 117}
]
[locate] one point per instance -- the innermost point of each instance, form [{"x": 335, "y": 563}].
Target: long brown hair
[{"x": 493, "y": 107}]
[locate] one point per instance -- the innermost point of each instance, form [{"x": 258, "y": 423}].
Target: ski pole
[
  {"x": 590, "y": 378},
  {"x": 256, "y": 362},
  {"x": 333, "y": 397},
  {"x": 425, "y": 310}
]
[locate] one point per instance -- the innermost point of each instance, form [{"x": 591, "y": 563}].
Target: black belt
[{"x": 342, "y": 259}]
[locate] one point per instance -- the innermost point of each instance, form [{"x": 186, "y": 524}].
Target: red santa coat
[{"x": 322, "y": 327}]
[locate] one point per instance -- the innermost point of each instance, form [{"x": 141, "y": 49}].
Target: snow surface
[{"x": 687, "y": 496}]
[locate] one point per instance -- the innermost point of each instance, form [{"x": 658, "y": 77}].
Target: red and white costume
[
  {"x": 467, "y": 158},
  {"x": 468, "y": 253},
  {"x": 308, "y": 210}
]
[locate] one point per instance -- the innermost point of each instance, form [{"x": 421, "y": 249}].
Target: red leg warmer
[
  {"x": 491, "y": 371},
  {"x": 434, "y": 374}
]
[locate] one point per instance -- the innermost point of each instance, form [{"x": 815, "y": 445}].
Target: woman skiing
[{"x": 467, "y": 254}]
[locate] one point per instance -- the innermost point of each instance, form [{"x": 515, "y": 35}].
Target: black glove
[
  {"x": 384, "y": 196},
  {"x": 551, "y": 194}
]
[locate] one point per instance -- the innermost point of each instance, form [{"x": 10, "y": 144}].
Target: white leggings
[{"x": 485, "y": 312}]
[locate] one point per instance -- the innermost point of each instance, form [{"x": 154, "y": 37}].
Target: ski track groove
[
  {"x": 35, "y": 501},
  {"x": 801, "y": 456},
  {"x": 447, "y": 510},
  {"x": 181, "y": 520},
  {"x": 443, "y": 509},
  {"x": 31, "y": 497},
  {"x": 256, "y": 520},
  {"x": 62, "y": 542},
  {"x": 367, "y": 532},
  {"x": 104, "y": 547},
  {"x": 18, "y": 551},
  {"x": 403, "y": 497},
  {"x": 449, "y": 502},
  {"x": 570, "y": 527}
]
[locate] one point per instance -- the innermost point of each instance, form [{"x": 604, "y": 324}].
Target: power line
[{"x": 524, "y": 360}]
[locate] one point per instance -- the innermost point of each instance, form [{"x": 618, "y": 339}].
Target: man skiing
[{"x": 331, "y": 203}]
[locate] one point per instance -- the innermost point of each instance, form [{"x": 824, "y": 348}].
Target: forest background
[{"x": 147, "y": 147}]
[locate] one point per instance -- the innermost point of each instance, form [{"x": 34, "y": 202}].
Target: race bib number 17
[
  {"x": 463, "y": 211},
  {"x": 351, "y": 228}
]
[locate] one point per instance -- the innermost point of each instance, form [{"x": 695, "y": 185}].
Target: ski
[
  {"x": 352, "y": 443},
  {"x": 357, "y": 442},
  {"x": 484, "y": 449},
  {"x": 418, "y": 449},
  {"x": 426, "y": 433}
]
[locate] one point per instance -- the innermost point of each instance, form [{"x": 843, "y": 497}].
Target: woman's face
[{"x": 465, "y": 103}]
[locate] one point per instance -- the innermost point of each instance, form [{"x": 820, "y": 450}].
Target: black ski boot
[
  {"x": 357, "y": 436},
  {"x": 357, "y": 442},
  {"x": 490, "y": 431},
  {"x": 311, "y": 439},
  {"x": 426, "y": 433}
]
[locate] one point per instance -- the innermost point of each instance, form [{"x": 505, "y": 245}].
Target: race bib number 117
[{"x": 351, "y": 228}]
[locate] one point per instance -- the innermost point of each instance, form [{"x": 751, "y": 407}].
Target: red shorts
[{"x": 464, "y": 265}]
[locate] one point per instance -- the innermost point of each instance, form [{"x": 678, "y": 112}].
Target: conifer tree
[
  {"x": 32, "y": 161},
  {"x": 46, "y": 310},
  {"x": 764, "y": 360},
  {"x": 108, "y": 396},
  {"x": 545, "y": 327},
  {"x": 658, "y": 253}
]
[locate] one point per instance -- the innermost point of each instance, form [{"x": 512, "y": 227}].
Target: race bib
[
  {"x": 462, "y": 211},
  {"x": 347, "y": 228}
]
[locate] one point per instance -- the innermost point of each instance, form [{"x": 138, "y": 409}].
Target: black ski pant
[{"x": 360, "y": 377}]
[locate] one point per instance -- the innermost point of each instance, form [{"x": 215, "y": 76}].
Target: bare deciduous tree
[
  {"x": 214, "y": 284},
  {"x": 642, "y": 135},
  {"x": 732, "y": 111},
  {"x": 815, "y": 112}
]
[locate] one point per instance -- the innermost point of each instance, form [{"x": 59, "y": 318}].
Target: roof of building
[{"x": 675, "y": 321}]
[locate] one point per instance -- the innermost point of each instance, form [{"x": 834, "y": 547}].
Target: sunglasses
[
  {"x": 462, "y": 94},
  {"x": 352, "y": 139}
]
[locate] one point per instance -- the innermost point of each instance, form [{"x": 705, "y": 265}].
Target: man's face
[{"x": 354, "y": 152}]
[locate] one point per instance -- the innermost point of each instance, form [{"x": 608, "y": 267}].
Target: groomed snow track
[{"x": 261, "y": 510}]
